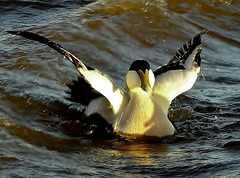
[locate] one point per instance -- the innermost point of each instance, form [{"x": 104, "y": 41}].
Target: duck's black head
[
  {"x": 139, "y": 65},
  {"x": 140, "y": 75}
]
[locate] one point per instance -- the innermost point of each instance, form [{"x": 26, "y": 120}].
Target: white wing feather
[
  {"x": 100, "y": 82},
  {"x": 180, "y": 74},
  {"x": 104, "y": 85},
  {"x": 174, "y": 82}
]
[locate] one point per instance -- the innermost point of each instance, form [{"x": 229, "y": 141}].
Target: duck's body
[
  {"x": 141, "y": 109},
  {"x": 143, "y": 115}
]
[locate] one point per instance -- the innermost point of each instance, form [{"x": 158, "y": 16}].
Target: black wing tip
[
  {"x": 18, "y": 32},
  {"x": 197, "y": 38},
  {"x": 188, "y": 47},
  {"x": 204, "y": 31},
  {"x": 12, "y": 32},
  {"x": 36, "y": 37},
  {"x": 181, "y": 56}
]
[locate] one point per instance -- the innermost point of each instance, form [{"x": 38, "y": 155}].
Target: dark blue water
[{"x": 40, "y": 132}]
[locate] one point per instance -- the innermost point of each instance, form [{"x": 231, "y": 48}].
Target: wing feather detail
[
  {"x": 182, "y": 54},
  {"x": 180, "y": 74},
  {"x": 104, "y": 85},
  {"x": 91, "y": 78}
]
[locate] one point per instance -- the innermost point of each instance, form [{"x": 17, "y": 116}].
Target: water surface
[{"x": 40, "y": 134}]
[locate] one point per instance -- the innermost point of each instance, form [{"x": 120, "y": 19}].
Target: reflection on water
[
  {"x": 43, "y": 134},
  {"x": 143, "y": 153}
]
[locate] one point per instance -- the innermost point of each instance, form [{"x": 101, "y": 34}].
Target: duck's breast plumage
[{"x": 143, "y": 116}]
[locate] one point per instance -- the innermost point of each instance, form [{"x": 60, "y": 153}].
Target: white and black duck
[{"x": 142, "y": 107}]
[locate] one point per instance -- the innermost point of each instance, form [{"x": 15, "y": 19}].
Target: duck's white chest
[{"x": 143, "y": 116}]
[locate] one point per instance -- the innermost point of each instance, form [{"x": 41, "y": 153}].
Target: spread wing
[
  {"x": 91, "y": 83},
  {"x": 180, "y": 74}
]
